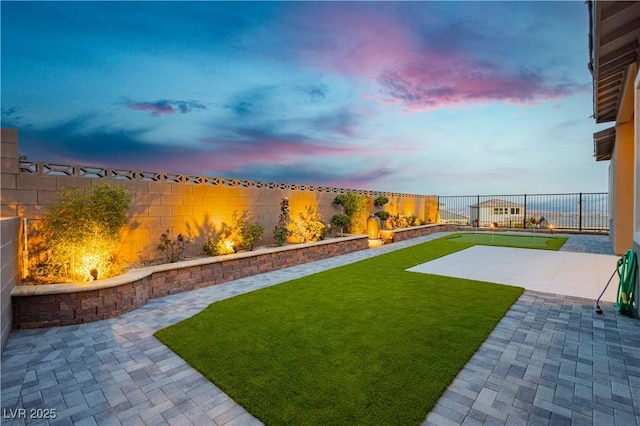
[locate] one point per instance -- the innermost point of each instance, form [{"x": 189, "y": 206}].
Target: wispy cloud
[
  {"x": 419, "y": 64},
  {"x": 250, "y": 154},
  {"x": 165, "y": 106},
  {"x": 250, "y": 147},
  {"x": 425, "y": 85},
  {"x": 301, "y": 173}
]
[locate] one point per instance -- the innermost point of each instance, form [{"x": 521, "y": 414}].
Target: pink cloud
[
  {"x": 418, "y": 76},
  {"x": 426, "y": 85}
]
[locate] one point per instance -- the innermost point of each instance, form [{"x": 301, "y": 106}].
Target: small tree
[
  {"x": 82, "y": 230},
  {"x": 380, "y": 201},
  {"x": 340, "y": 220}
]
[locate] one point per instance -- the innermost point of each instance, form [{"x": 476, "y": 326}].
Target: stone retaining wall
[
  {"x": 9, "y": 250},
  {"x": 65, "y": 304},
  {"x": 402, "y": 234}
]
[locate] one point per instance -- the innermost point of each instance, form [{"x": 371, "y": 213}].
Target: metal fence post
[
  {"x": 580, "y": 212},
  {"x": 524, "y": 217}
]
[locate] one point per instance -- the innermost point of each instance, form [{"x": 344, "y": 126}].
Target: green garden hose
[{"x": 627, "y": 268}]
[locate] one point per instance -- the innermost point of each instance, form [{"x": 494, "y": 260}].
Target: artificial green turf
[
  {"x": 509, "y": 240},
  {"x": 366, "y": 343}
]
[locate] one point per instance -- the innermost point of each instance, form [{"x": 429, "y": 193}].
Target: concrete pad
[{"x": 559, "y": 272}]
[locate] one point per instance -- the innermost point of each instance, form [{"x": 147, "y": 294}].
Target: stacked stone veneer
[
  {"x": 418, "y": 231},
  {"x": 9, "y": 258},
  {"x": 192, "y": 205},
  {"x": 66, "y": 304}
]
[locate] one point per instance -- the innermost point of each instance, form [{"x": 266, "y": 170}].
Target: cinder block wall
[
  {"x": 192, "y": 205},
  {"x": 9, "y": 249}
]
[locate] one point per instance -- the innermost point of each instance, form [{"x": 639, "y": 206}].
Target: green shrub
[
  {"x": 307, "y": 228},
  {"x": 380, "y": 201},
  {"x": 173, "y": 249},
  {"x": 281, "y": 231},
  {"x": 82, "y": 230},
  {"x": 383, "y": 215},
  {"x": 398, "y": 221},
  {"x": 357, "y": 207},
  {"x": 248, "y": 233},
  {"x": 340, "y": 220},
  {"x": 218, "y": 246}
]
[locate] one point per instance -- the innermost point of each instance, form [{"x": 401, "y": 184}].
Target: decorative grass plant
[{"x": 363, "y": 344}]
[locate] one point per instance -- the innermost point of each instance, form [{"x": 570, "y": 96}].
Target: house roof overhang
[
  {"x": 614, "y": 44},
  {"x": 603, "y": 143}
]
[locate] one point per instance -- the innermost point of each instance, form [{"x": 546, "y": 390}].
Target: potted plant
[{"x": 383, "y": 215}]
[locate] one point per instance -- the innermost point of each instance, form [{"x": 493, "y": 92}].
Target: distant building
[
  {"x": 504, "y": 213},
  {"x": 451, "y": 217}
]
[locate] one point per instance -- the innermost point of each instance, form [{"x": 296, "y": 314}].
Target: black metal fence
[{"x": 583, "y": 211}]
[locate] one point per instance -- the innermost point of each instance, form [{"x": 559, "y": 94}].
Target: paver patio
[{"x": 550, "y": 360}]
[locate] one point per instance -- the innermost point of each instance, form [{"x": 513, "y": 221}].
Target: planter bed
[{"x": 36, "y": 306}]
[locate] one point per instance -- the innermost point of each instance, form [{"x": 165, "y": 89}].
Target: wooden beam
[
  {"x": 629, "y": 48},
  {"x": 620, "y": 31},
  {"x": 614, "y": 8},
  {"x": 622, "y": 61}
]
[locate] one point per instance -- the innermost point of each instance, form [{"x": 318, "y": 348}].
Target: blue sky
[{"x": 445, "y": 98}]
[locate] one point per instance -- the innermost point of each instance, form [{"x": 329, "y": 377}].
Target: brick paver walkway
[{"x": 550, "y": 360}]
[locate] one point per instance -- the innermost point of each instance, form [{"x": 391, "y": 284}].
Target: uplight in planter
[
  {"x": 228, "y": 247},
  {"x": 88, "y": 264}
]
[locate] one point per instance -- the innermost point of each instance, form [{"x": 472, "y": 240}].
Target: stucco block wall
[
  {"x": 622, "y": 189},
  {"x": 194, "y": 206},
  {"x": 9, "y": 278},
  {"x": 8, "y": 169}
]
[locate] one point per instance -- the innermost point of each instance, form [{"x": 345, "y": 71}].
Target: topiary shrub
[
  {"x": 82, "y": 230},
  {"x": 341, "y": 221},
  {"x": 383, "y": 215},
  {"x": 380, "y": 201},
  {"x": 357, "y": 207}
]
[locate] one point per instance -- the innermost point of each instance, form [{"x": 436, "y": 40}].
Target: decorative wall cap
[{"x": 56, "y": 169}]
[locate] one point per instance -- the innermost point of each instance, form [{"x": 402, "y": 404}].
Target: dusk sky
[{"x": 447, "y": 98}]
